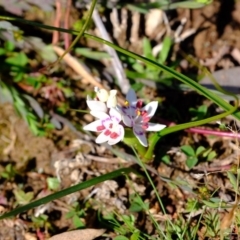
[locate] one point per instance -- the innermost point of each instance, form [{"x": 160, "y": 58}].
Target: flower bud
[
  {"x": 102, "y": 94},
  {"x": 112, "y": 99}
]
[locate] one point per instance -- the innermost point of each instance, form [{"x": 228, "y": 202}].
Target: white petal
[
  {"x": 155, "y": 127},
  {"x": 131, "y": 97},
  {"x": 102, "y": 94},
  {"x": 93, "y": 126},
  {"x": 112, "y": 99},
  {"x": 140, "y": 134},
  {"x": 97, "y": 106},
  {"x": 102, "y": 138},
  {"x": 150, "y": 108},
  {"x": 127, "y": 120},
  {"x": 115, "y": 115},
  {"x": 120, "y": 131},
  {"x": 113, "y": 92},
  {"x": 129, "y": 111},
  {"x": 100, "y": 115}
]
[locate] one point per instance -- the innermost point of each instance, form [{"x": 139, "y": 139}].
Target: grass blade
[{"x": 67, "y": 191}]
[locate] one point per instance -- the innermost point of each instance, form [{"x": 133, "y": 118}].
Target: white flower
[
  {"x": 103, "y": 96},
  {"x": 138, "y": 118},
  {"x": 95, "y": 105},
  {"x": 111, "y": 131}
]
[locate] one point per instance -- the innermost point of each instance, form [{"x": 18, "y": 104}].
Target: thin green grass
[{"x": 67, "y": 191}]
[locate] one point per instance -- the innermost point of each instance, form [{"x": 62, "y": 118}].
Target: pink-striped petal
[
  {"x": 102, "y": 137},
  {"x": 120, "y": 135},
  {"x": 150, "y": 108},
  {"x": 95, "y": 126}
]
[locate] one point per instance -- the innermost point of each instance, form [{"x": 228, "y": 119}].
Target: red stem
[
  {"x": 205, "y": 131},
  {"x": 213, "y": 132}
]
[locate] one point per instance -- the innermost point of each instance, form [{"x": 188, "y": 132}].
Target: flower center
[{"x": 142, "y": 118}]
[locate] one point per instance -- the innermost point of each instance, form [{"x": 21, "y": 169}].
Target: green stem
[
  {"x": 132, "y": 141},
  {"x": 155, "y": 138}
]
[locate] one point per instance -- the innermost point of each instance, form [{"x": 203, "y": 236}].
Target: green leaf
[
  {"x": 33, "y": 124},
  {"x": 128, "y": 219},
  {"x": 233, "y": 181},
  {"x": 137, "y": 8},
  {"x": 138, "y": 67},
  {"x": 203, "y": 109},
  {"x": 96, "y": 55},
  {"x": 137, "y": 86},
  {"x": 20, "y": 59},
  {"x": 192, "y": 205},
  {"x": 135, "y": 235},
  {"x": 188, "y": 150},
  {"x": 200, "y": 150},
  {"x": 2, "y": 51},
  {"x": 216, "y": 200},
  {"x": 18, "y": 76},
  {"x": 135, "y": 207},
  {"x": 39, "y": 221},
  {"x": 211, "y": 204},
  {"x": 120, "y": 238},
  {"x": 166, "y": 159},
  {"x": 18, "y": 100},
  {"x": 199, "y": 113},
  {"x": 147, "y": 49},
  {"x": 9, "y": 46},
  {"x": 22, "y": 197},
  {"x": 191, "y": 162},
  {"x": 9, "y": 172},
  {"x": 33, "y": 81},
  {"x": 137, "y": 204},
  {"x": 70, "y": 214},
  {"x": 167, "y": 43},
  {"x": 78, "y": 223},
  {"x": 53, "y": 183},
  {"x": 211, "y": 155},
  {"x": 186, "y": 4}
]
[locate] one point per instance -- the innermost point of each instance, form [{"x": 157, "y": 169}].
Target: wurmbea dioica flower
[
  {"x": 104, "y": 108},
  {"x": 108, "y": 124},
  {"x": 137, "y": 117}
]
